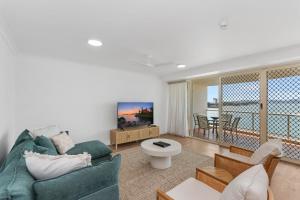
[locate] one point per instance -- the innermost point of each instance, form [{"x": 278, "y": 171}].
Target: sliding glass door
[
  {"x": 283, "y": 90},
  {"x": 240, "y": 110},
  {"x": 259, "y": 106}
]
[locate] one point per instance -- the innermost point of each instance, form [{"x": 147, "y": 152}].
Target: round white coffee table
[{"x": 161, "y": 157}]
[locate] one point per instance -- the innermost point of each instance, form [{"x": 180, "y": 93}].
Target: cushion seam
[
  {"x": 94, "y": 191},
  {"x": 252, "y": 181}
]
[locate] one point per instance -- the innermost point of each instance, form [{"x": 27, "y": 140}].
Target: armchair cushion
[
  {"x": 193, "y": 189},
  {"x": 252, "y": 184},
  {"x": 92, "y": 179},
  {"x": 272, "y": 147},
  {"x": 96, "y": 148}
]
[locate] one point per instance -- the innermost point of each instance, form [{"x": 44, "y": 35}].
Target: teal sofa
[{"x": 97, "y": 182}]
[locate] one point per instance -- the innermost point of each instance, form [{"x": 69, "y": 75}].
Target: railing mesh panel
[
  {"x": 241, "y": 99},
  {"x": 284, "y": 109}
]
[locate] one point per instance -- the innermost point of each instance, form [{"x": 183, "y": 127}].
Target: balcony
[{"x": 280, "y": 125}]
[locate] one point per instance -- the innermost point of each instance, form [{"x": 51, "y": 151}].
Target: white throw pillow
[
  {"x": 252, "y": 184},
  {"x": 42, "y": 166},
  {"x": 48, "y": 131},
  {"x": 63, "y": 142},
  {"x": 272, "y": 147}
]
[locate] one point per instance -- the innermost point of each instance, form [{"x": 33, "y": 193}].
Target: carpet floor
[{"x": 139, "y": 181}]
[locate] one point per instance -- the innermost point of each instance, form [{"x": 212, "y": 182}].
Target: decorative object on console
[
  {"x": 63, "y": 142},
  {"x": 42, "y": 166}
]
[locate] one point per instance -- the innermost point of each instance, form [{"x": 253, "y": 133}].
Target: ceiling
[{"x": 169, "y": 32}]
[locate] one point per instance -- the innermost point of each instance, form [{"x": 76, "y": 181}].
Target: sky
[
  {"x": 286, "y": 88},
  {"x": 132, "y": 107},
  {"x": 212, "y": 92}
]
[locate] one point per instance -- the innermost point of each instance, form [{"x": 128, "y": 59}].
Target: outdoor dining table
[{"x": 215, "y": 123}]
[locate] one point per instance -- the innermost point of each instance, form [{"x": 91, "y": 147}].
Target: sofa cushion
[
  {"x": 96, "y": 148},
  {"x": 92, "y": 180},
  {"x": 63, "y": 142},
  {"x": 49, "y": 166},
  {"x": 18, "y": 150},
  {"x": 193, "y": 189},
  {"x": 16, "y": 182},
  {"x": 272, "y": 147},
  {"x": 252, "y": 184},
  {"x": 97, "y": 161},
  {"x": 46, "y": 142},
  {"x": 25, "y": 135}
]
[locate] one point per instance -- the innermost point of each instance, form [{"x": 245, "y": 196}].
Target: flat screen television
[{"x": 131, "y": 114}]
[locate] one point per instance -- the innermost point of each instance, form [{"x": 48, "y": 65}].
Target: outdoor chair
[
  {"x": 239, "y": 159},
  {"x": 225, "y": 120},
  {"x": 233, "y": 128},
  {"x": 196, "y": 124},
  {"x": 203, "y": 123}
]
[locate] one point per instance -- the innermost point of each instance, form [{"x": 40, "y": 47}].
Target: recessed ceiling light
[
  {"x": 95, "y": 43},
  {"x": 223, "y": 24},
  {"x": 181, "y": 66}
]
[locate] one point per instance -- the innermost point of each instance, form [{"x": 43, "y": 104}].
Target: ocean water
[{"x": 283, "y": 118}]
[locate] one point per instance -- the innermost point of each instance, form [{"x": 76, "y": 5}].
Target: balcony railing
[{"x": 250, "y": 124}]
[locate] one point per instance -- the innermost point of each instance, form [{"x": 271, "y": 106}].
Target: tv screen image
[{"x": 131, "y": 114}]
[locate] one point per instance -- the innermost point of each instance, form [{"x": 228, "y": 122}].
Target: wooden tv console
[{"x": 118, "y": 136}]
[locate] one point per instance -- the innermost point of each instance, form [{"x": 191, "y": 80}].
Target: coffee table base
[{"x": 160, "y": 162}]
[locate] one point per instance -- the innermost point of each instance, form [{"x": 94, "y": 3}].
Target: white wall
[
  {"x": 7, "y": 58},
  {"x": 80, "y": 98}
]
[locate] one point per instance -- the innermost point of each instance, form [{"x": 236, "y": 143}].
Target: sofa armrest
[
  {"x": 241, "y": 151},
  {"x": 79, "y": 183},
  {"x": 234, "y": 167}
]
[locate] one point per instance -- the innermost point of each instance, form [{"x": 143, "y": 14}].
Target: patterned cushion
[{"x": 63, "y": 142}]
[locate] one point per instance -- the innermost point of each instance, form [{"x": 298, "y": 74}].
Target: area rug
[{"x": 139, "y": 181}]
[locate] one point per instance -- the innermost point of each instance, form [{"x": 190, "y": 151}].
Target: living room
[{"x": 204, "y": 79}]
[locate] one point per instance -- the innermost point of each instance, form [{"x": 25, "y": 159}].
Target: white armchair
[
  {"x": 251, "y": 184},
  {"x": 238, "y": 159}
]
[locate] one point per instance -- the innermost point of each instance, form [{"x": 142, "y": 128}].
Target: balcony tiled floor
[{"x": 245, "y": 140}]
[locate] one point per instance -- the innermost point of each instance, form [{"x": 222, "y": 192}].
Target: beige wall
[{"x": 198, "y": 95}]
